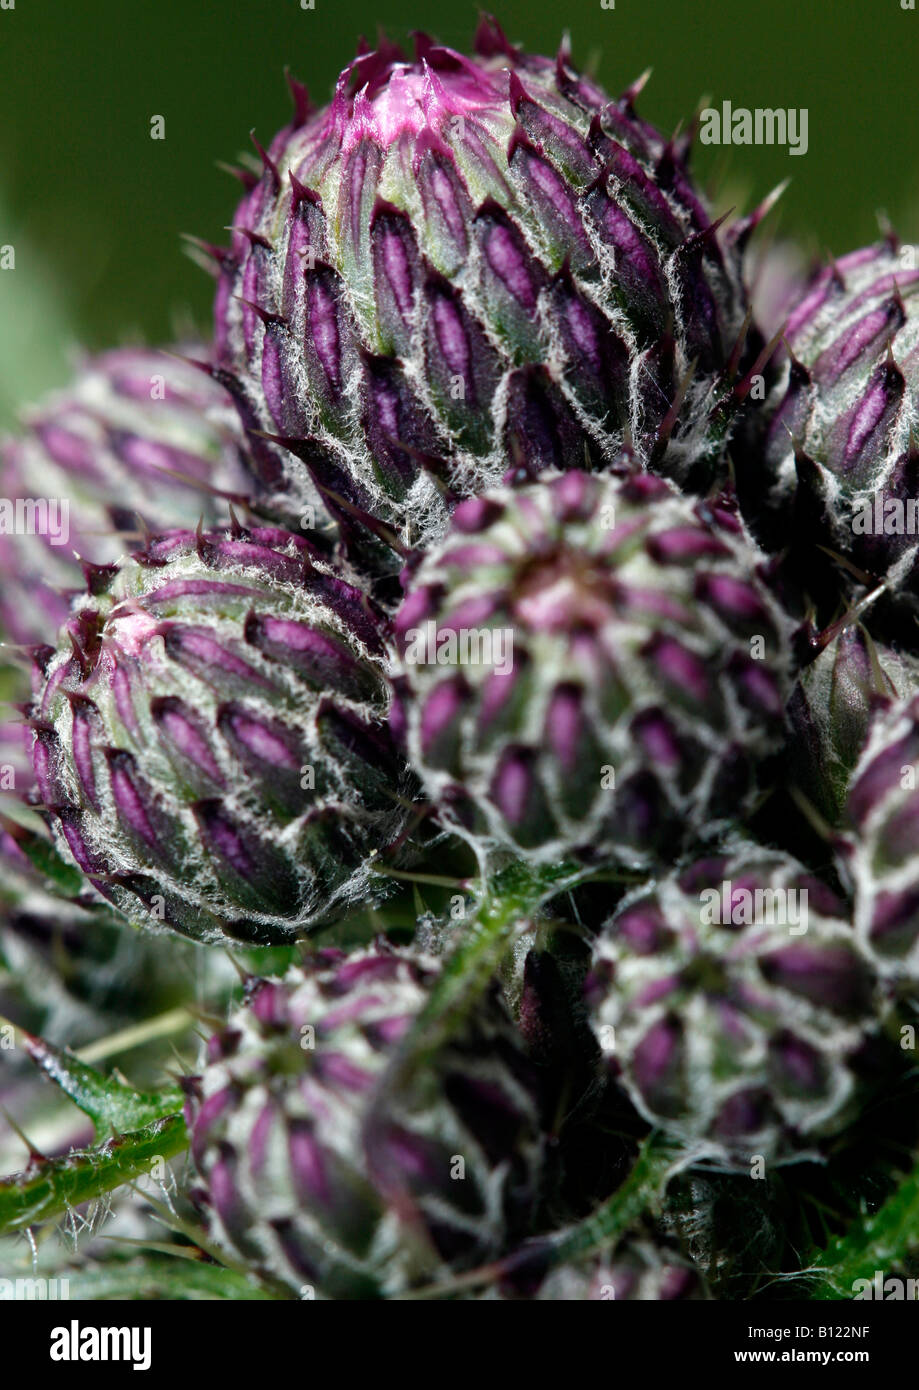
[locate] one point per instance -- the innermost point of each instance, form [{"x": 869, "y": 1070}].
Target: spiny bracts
[
  {"x": 209, "y": 736},
  {"x": 591, "y": 664},
  {"x": 311, "y": 1182},
  {"x": 731, "y": 999},
  {"x": 468, "y": 264}
]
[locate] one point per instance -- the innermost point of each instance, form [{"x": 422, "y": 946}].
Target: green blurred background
[{"x": 95, "y": 208}]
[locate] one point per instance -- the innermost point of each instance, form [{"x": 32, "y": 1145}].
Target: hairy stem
[{"x": 50, "y": 1187}]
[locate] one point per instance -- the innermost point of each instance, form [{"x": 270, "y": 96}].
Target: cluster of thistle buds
[{"x": 466, "y": 540}]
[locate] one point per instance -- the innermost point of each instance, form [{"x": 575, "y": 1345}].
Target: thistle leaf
[
  {"x": 881, "y": 1241},
  {"x": 162, "y": 1277},
  {"x": 109, "y": 1103}
]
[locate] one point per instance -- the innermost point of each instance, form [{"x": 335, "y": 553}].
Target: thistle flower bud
[
  {"x": 139, "y": 438},
  {"x": 731, "y": 999},
  {"x": 209, "y": 737},
  {"x": 841, "y": 438},
  {"x": 301, "y": 1180},
  {"x": 591, "y": 665},
  {"x": 465, "y": 261},
  {"x": 830, "y": 713},
  {"x": 883, "y": 811}
]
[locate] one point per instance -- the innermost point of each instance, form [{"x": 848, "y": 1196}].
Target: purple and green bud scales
[
  {"x": 304, "y": 1180},
  {"x": 641, "y": 677},
  {"x": 883, "y": 820},
  {"x": 139, "y": 438},
  {"x": 732, "y": 1012},
  {"x": 465, "y": 265},
  {"x": 210, "y": 742},
  {"x": 842, "y": 438}
]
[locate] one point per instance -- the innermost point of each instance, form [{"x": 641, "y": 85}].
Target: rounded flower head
[
  {"x": 591, "y": 664},
  {"x": 138, "y": 439},
  {"x": 731, "y": 999},
  {"x": 310, "y": 1181},
  {"x": 210, "y": 741},
  {"x": 462, "y": 262}
]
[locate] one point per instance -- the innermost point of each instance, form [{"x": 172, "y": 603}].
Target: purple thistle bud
[
  {"x": 210, "y": 741},
  {"x": 731, "y": 999},
  {"x": 639, "y": 1271},
  {"x": 307, "y": 1186},
  {"x": 569, "y": 671},
  {"x": 140, "y": 438},
  {"x": 464, "y": 260},
  {"x": 830, "y": 713},
  {"x": 841, "y": 442}
]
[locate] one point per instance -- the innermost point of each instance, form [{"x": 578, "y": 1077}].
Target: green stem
[
  {"x": 158, "y": 1276},
  {"x": 509, "y": 900},
  {"x": 506, "y": 907},
  {"x": 436, "y": 880},
  {"x": 162, "y": 1026},
  {"x": 640, "y": 1193}
]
